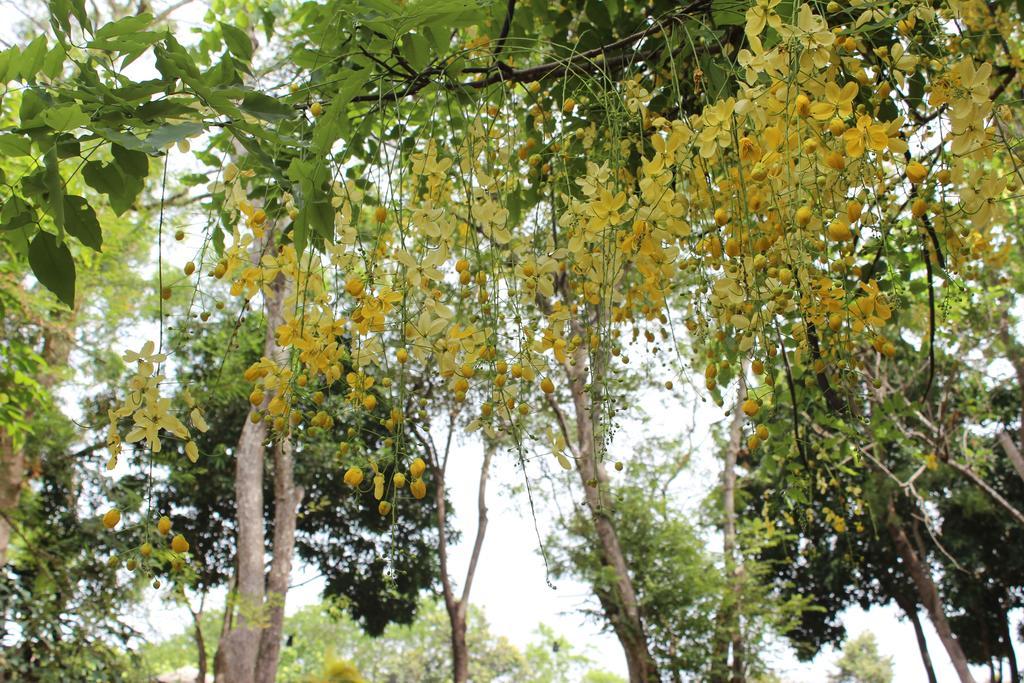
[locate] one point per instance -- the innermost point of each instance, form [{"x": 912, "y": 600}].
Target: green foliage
[
  {"x": 861, "y": 663},
  {"x": 677, "y": 583},
  {"x": 409, "y": 653},
  {"x": 378, "y": 566},
  {"x": 63, "y": 608}
]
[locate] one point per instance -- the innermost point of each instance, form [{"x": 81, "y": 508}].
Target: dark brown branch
[
  {"x": 931, "y": 320},
  {"x": 594, "y": 60},
  {"x": 973, "y": 477},
  {"x": 499, "y": 45},
  {"x": 832, "y": 399}
]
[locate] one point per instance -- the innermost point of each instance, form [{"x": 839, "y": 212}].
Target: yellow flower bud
[
  {"x": 179, "y": 544},
  {"x": 916, "y": 172},
  {"x": 353, "y": 476},
  {"x": 417, "y": 468},
  {"x": 750, "y": 407},
  {"x": 111, "y": 519}
]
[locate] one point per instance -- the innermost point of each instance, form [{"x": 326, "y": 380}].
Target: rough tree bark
[
  {"x": 727, "y": 630},
  {"x": 1012, "y": 452},
  {"x": 909, "y": 608},
  {"x": 287, "y": 497},
  {"x": 197, "y": 635},
  {"x": 733, "y": 570},
  {"x": 457, "y": 606},
  {"x": 1015, "y": 354},
  {"x": 58, "y": 336},
  {"x": 12, "y": 473},
  {"x": 928, "y": 593},
  {"x": 239, "y": 648},
  {"x": 621, "y": 606}
]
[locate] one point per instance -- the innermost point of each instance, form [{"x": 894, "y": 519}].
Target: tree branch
[
  {"x": 481, "y": 529},
  {"x": 1012, "y": 452}
]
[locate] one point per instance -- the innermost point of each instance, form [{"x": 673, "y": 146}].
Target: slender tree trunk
[
  {"x": 1011, "y": 657},
  {"x": 928, "y": 593},
  {"x": 458, "y": 607},
  {"x": 287, "y": 497},
  {"x": 727, "y": 622},
  {"x": 1015, "y": 354},
  {"x": 909, "y": 608},
  {"x": 241, "y": 645},
  {"x": 460, "y": 651},
  {"x": 197, "y": 634},
  {"x": 621, "y": 607}
]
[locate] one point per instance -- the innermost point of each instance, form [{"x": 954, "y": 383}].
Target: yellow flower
[
  {"x": 417, "y": 468},
  {"x": 762, "y": 14},
  {"x": 865, "y": 135},
  {"x": 604, "y": 210},
  {"x": 836, "y": 102}
]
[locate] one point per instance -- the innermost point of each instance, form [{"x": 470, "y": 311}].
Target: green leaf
[
  {"x": 132, "y": 162},
  {"x": 416, "y": 50},
  {"x": 729, "y": 12},
  {"x": 238, "y": 41},
  {"x": 60, "y": 13},
  {"x": 173, "y": 132},
  {"x": 55, "y": 190},
  {"x": 30, "y": 61},
  {"x": 158, "y": 110},
  {"x": 110, "y": 179},
  {"x": 267, "y": 18},
  {"x": 335, "y": 122},
  {"x": 15, "y": 146},
  {"x": 33, "y": 104},
  {"x": 123, "y": 27},
  {"x": 53, "y": 62},
  {"x": 16, "y": 213},
  {"x": 66, "y": 117},
  {"x": 80, "y": 220},
  {"x": 5, "y": 63},
  {"x": 53, "y": 266},
  {"x": 174, "y": 61},
  {"x": 265, "y": 107}
]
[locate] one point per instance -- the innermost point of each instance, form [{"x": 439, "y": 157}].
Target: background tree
[{"x": 861, "y": 663}]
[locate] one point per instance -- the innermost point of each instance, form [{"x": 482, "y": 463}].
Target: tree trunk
[
  {"x": 460, "y": 651},
  {"x": 458, "y": 607},
  {"x": 197, "y": 634},
  {"x": 287, "y": 498},
  {"x": 727, "y": 623},
  {"x": 910, "y": 609},
  {"x": 621, "y": 607},
  {"x": 928, "y": 593},
  {"x": 12, "y": 472},
  {"x": 1010, "y": 655},
  {"x": 241, "y": 645},
  {"x": 58, "y": 336}
]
